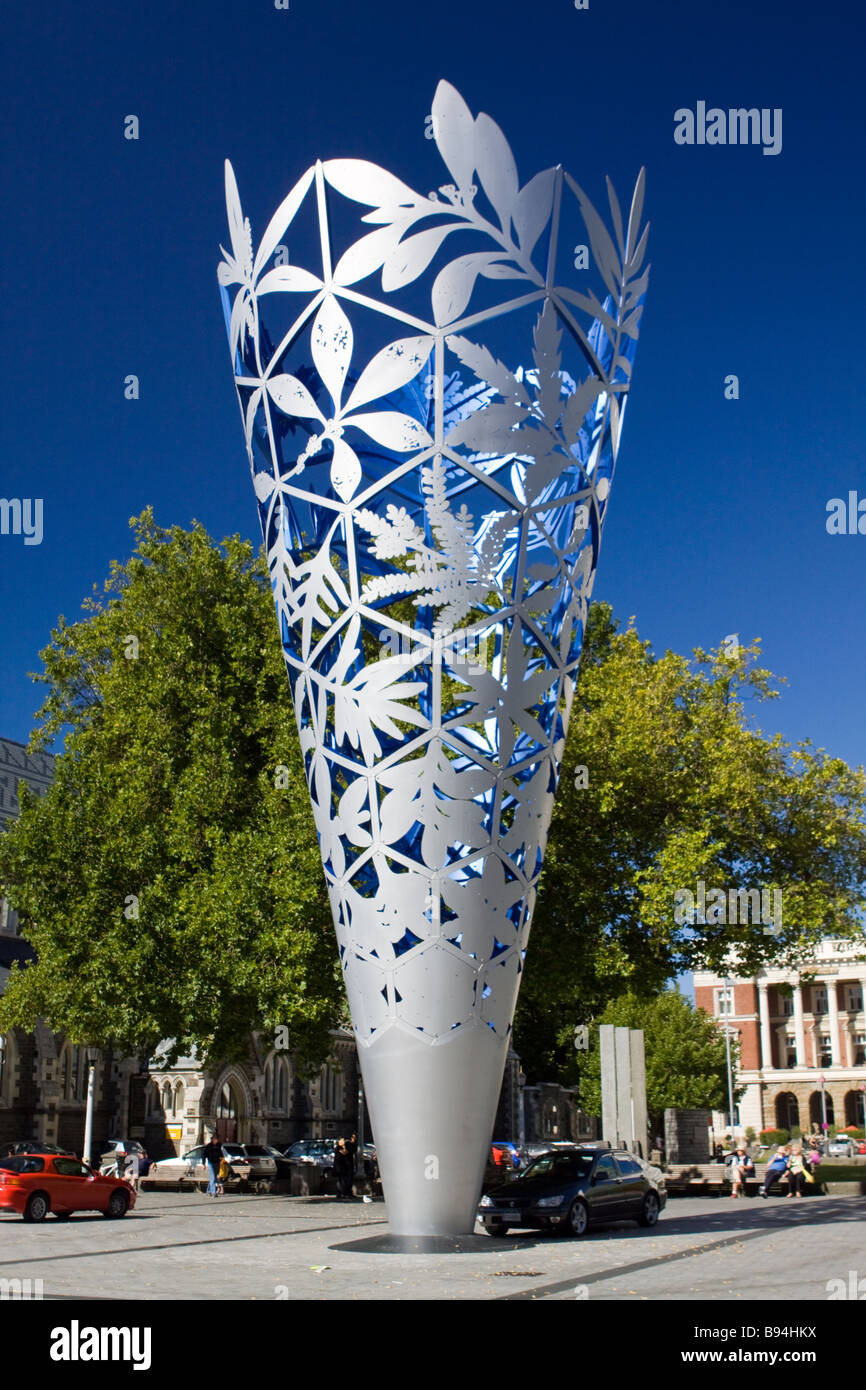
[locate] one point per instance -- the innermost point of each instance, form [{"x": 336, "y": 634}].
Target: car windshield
[
  {"x": 566, "y": 1166},
  {"x": 258, "y": 1151}
]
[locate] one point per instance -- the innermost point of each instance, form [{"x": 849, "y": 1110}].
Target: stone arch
[
  {"x": 816, "y": 1109},
  {"x": 787, "y": 1110},
  {"x": 854, "y": 1103},
  {"x": 231, "y": 1106}
]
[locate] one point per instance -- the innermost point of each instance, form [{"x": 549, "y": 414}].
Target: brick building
[{"x": 794, "y": 1028}]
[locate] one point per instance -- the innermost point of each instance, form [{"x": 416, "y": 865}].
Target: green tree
[
  {"x": 170, "y": 878},
  {"x": 686, "y": 1062},
  {"x": 681, "y": 787}
]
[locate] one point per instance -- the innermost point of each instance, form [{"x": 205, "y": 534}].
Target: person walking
[
  {"x": 777, "y": 1166},
  {"x": 742, "y": 1168},
  {"x": 211, "y": 1156},
  {"x": 343, "y": 1170}
]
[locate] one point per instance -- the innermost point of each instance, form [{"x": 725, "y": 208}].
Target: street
[{"x": 186, "y": 1246}]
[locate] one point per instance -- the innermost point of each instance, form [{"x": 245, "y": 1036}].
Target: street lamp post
[
  {"x": 729, "y": 999},
  {"x": 824, "y": 1125},
  {"x": 88, "y": 1114}
]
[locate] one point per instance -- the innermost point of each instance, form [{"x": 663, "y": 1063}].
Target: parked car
[
  {"x": 320, "y": 1151},
  {"x": 505, "y": 1154},
  {"x": 569, "y": 1188},
  {"x": 262, "y": 1165},
  {"x": 108, "y": 1150},
  {"x": 190, "y": 1168},
  {"x": 31, "y": 1146},
  {"x": 35, "y": 1184},
  {"x": 841, "y": 1147}
]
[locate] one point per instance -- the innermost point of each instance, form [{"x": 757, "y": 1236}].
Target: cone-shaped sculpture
[{"x": 432, "y": 519}]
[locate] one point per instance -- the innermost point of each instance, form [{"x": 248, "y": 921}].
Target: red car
[{"x": 35, "y": 1184}]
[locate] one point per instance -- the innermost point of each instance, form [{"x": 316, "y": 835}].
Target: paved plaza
[{"x": 187, "y": 1246}]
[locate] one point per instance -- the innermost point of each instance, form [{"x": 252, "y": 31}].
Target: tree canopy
[
  {"x": 681, "y": 787},
  {"x": 170, "y": 878}
]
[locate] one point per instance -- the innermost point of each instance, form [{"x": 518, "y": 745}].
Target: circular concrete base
[{"x": 417, "y": 1245}]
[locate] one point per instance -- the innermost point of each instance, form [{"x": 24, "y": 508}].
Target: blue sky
[{"x": 717, "y": 522}]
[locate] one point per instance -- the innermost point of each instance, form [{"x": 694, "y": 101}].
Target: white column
[
  {"x": 766, "y": 1032},
  {"x": 799, "y": 1027},
  {"x": 833, "y": 1010}
]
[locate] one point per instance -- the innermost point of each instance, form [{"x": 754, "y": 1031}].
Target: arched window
[
  {"x": 282, "y": 1069},
  {"x": 65, "y": 1070},
  {"x": 330, "y": 1089},
  {"x": 229, "y": 1111},
  {"x": 178, "y": 1099},
  {"x": 269, "y": 1083},
  {"x": 154, "y": 1106},
  {"x": 816, "y": 1109},
  {"x": 787, "y": 1110}
]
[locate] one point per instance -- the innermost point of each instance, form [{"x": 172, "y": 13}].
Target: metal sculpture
[{"x": 432, "y": 520}]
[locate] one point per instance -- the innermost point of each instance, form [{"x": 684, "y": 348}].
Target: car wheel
[
  {"x": 578, "y": 1218},
  {"x": 649, "y": 1212},
  {"x": 37, "y": 1207},
  {"x": 498, "y": 1230},
  {"x": 118, "y": 1205}
]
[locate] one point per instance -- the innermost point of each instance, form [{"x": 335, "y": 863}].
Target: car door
[
  {"x": 605, "y": 1190},
  {"x": 72, "y": 1187},
  {"x": 633, "y": 1185}
]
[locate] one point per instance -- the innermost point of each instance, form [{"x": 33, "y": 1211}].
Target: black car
[
  {"x": 31, "y": 1146},
  {"x": 567, "y": 1189}
]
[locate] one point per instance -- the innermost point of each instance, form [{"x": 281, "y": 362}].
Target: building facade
[{"x": 802, "y": 1038}]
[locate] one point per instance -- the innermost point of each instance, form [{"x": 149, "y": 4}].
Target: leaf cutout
[
  {"x": 501, "y": 270},
  {"x": 292, "y": 397},
  {"x": 288, "y": 277},
  {"x": 413, "y": 255},
  {"x": 488, "y": 368},
  {"x": 392, "y": 429},
  {"x": 264, "y": 484},
  {"x": 345, "y": 470},
  {"x": 454, "y": 133},
  {"x": 453, "y": 286},
  {"x": 365, "y": 182},
  {"x": 250, "y": 415},
  {"x": 395, "y": 366},
  {"x": 281, "y": 220},
  {"x": 616, "y": 214},
  {"x": 332, "y": 347},
  {"x": 635, "y": 216},
  {"x": 241, "y": 247},
  {"x": 367, "y": 254},
  {"x": 603, "y": 249},
  {"x": 489, "y": 431},
  {"x": 532, "y": 209},
  {"x": 496, "y": 168}
]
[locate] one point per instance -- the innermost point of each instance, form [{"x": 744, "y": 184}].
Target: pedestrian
[
  {"x": 343, "y": 1170},
  {"x": 777, "y": 1166},
  {"x": 223, "y": 1173},
  {"x": 211, "y": 1155},
  {"x": 796, "y": 1171},
  {"x": 742, "y": 1168},
  {"x": 133, "y": 1171}
]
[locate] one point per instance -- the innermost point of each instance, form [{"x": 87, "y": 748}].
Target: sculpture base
[{"x": 433, "y": 1108}]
